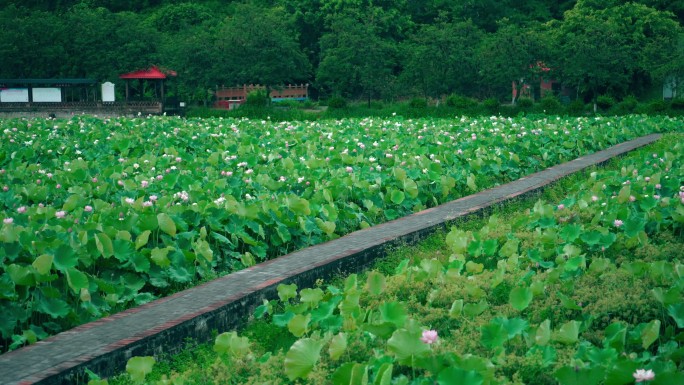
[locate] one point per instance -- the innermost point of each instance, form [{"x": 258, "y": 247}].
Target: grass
[{"x": 267, "y": 337}]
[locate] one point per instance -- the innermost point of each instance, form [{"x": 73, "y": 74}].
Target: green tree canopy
[
  {"x": 441, "y": 58},
  {"x": 355, "y": 60},
  {"x": 260, "y": 45},
  {"x": 614, "y": 49}
]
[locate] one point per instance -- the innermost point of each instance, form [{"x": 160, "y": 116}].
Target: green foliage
[
  {"x": 418, "y": 103},
  {"x": 550, "y": 105},
  {"x": 491, "y": 105},
  {"x": 677, "y": 104},
  {"x": 605, "y": 102},
  {"x": 257, "y": 98},
  {"x": 460, "y": 102},
  {"x": 337, "y": 102},
  {"x": 626, "y": 106},
  {"x": 657, "y": 106},
  {"x": 301, "y": 358},
  {"x": 103, "y": 243},
  {"x": 139, "y": 367},
  {"x": 577, "y": 329},
  {"x": 577, "y": 107},
  {"x": 524, "y": 103},
  {"x": 388, "y": 50}
]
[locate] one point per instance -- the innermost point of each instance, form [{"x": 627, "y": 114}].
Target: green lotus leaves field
[
  {"x": 585, "y": 289},
  {"x": 103, "y": 214}
]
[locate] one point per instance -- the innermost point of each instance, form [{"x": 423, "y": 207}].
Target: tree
[
  {"x": 27, "y": 44},
  {"x": 355, "y": 59},
  {"x": 440, "y": 58},
  {"x": 512, "y": 54},
  {"x": 260, "y": 46},
  {"x": 615, "y": 50}
]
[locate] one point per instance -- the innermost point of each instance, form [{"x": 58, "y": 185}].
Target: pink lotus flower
[
  {"x": 147, "y": 204},
  {"x": 643, "y": 375},
  {"x": 658, "y": 186},
  {"x": 21, "y": 209},
  {"x": 618, "y": 223},
  {"x": 594, "y": 198},
  {"x": 429, "y": 336},
  {"x": 88, "y": 209},
  {"x": 153, "y": 198},
  {"x": 60, "y": 214},
  {"x": 5, "y": 188},
  {"x": 632, "y": 198},
  {"x": 94, "y": 180},
  {"x": 349, "y": 169},
  {"x": 561, "y": 206},
  {"x": 144, "y": 184},
  {"x": 58, "y": 186},
  {"x": 8, "y": 221}
]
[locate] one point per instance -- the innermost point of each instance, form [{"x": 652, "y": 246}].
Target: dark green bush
[
  {"x": 257, "y": 98},
  {"x": 677, "y": 104},
  {"x": 460, "y": 102},
  {"x": 550, "y": 104},
  {"x": 377, "y": 105},
  {"x": 657, "y": 106},
  {"x": 576, "y": 107},
  {"x": 337, "y": 102},
  {"x": 418, "y": 103},
  {"x": 605, "y": 102},
  {"x": 525, "y": 103},
  {"x": 626, "y": 106},
  {"x": 491, "y": 105}
]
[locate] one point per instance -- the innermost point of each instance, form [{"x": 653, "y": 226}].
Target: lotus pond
[
  {"x": 582, "y": 287},
  {"x": 100, "y": 215}
]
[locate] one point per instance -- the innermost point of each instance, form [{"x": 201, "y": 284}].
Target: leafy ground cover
[
  {"x": 581, "y": 287},
  {"x": 104, "y": 214}
]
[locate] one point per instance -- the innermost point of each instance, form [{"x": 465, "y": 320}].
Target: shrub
[
  {"x": 377, "y": 105},
  {"x": 337, "y": 102},
  {"x": 677, "y": 104},
  {"x": 626, "y": 106},
  {"x": 576, "y": 107},
  {"x": 418, "y": 103},
  {"x": 257, "y": 98},
  {"x": 605, "y": 102},
  {"x": 657, "y": 106},
  {"x": 550, "y": 104},
  {"x": 460, "y": 102},
  {"x": 525, "y": 103},
  {"x": 491, "y": 105}
]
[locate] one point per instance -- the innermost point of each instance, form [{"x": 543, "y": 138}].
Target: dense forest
[{"x": 359, "y": 49}]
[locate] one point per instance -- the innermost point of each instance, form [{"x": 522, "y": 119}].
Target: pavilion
[{"x": 153, "y": 75}]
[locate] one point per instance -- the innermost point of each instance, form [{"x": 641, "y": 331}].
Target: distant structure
[
  {"x": 233, "y": 97},
  {"x": 150, "y": 87},
  {"x": 83, "y": 96},
  {"x": 18, "y": 92}
]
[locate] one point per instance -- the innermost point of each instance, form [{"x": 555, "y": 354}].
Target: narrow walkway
[{"x": 161, "y": 327}]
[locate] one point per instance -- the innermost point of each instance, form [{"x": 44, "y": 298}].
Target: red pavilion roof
[{"x": 151, "y": 73}]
